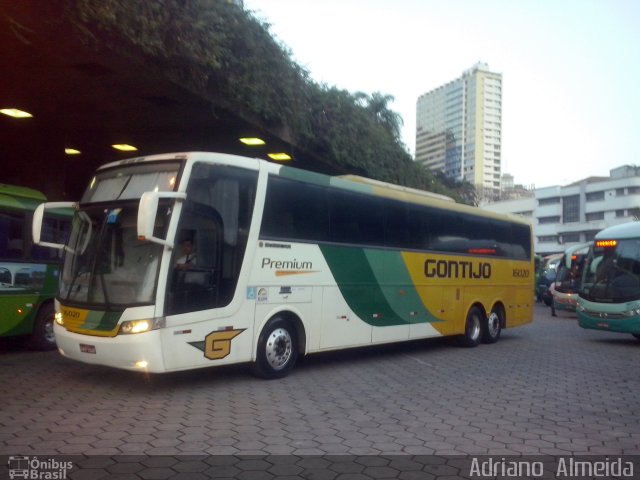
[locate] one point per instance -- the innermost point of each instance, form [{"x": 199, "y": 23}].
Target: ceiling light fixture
[
  {"x": 279, "y": 156},
  {"x": 252, "y": 141},
  {"x": 15, "y": 113},
  {"x": 124, "y": 147}
]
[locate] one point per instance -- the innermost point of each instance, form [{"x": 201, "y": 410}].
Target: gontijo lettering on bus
[{"x": 456, "y": 269}]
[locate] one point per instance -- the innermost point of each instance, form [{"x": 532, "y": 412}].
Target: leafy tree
[
  {"x": 465, "y": 190},
  {"x": 224, "y": 53},
  {"x": 378, "y": 105}
]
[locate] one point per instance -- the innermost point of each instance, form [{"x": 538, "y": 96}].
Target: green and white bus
[
  {"x": 28, "y": 272},
  {"x": 609, "y": 298},
  {"x": 285, "y": 263}
]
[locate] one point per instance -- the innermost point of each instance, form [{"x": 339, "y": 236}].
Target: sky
[{"x": 570, "y": 69}]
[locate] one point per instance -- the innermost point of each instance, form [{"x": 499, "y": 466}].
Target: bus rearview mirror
[
  {"x": 38, "y": 220},
  {"x": 147, "y": 213}
]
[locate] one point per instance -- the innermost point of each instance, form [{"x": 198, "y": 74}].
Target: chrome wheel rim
[
  {"x": 474, "y": 328},
  {"x": 493, "y": 324},
  {"x": 49, "y": 336},
  {"x": 279, "y": 348}
]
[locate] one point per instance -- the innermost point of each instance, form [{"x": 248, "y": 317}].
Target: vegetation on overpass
[{"x": 222, "y": 52}]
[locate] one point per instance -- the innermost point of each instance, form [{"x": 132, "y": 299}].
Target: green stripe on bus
[
  {"x": 323, "y": 180},
  {"x": 101, "y": 321},
  {"x": 304, "y": 176},
  {"x": 376, "y": 286},
  {"x": 397, "y": 286}
]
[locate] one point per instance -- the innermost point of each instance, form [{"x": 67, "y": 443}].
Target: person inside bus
[
  {"x": 188, "y": 254},
  {"x": 606, "y": 269},
  {"x": 575, "y": 273}
]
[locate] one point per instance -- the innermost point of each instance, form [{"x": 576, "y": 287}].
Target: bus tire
[
  {"x": 472, "y": 328},
  {"x": 492, "y": 326},
  {"x": 637, "y": 335},
  {"x": 42, "y": 336},
  {"x": 277, "y": 349}
]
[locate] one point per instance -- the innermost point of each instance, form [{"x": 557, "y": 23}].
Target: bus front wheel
[
  {"x": 277, "y": 350},
  {"x": 473, "y": 328},
  {"x": 42, "y": 336}
]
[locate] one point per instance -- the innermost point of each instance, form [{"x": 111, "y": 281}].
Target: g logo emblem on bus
[{"x": 217, "y": 345}]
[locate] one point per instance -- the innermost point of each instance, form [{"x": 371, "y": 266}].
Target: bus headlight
[
  {"x": 141, "y": 326},
  {"x": 580, "y": 307},
  {"x": 59, "y": 319},
  {"x": 631, "y": 313}
]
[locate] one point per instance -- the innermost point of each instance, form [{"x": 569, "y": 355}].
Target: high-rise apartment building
[{"x": 459, "y": 129}]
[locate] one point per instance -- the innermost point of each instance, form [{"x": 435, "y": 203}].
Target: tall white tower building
[{"x": 459, "y": 129}]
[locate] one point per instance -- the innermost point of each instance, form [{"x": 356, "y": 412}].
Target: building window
[
  {"x": 593, "y": 216},
  {"x": 571, "y": 209},
  {"x": 619, "y": 192},
  {"x": 548, "y": 201},
  {"x": 545, "y": 220},
  {"x": 620, "y": 213},
  {"x": 548, "y": 239},
  {"x": 590, "y": 235},
  {"x": 633, "y": 190},
  {"x": 595, "y": 196},
  {"x": 570, "y": 237}
]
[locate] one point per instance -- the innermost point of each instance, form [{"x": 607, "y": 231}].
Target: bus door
[{"x": 209, "y": 250}]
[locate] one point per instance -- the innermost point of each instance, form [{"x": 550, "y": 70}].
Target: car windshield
[
  {"x": 613, "y": 274},
  {"x": 105, "y": 263}
]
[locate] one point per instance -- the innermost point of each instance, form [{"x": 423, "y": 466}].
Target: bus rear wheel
[
  {"x": 473, "y": 328},
  {"x": 42, "y": 336},
  {"x": 277, "y": 350},
  {"x": 492, "y": 327}
]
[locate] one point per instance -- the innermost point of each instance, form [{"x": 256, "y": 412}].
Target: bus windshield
[
  {"x": 105, "y": 264},
  {"x": 612, "y": 273},
  {"x": 130, "y": 182},
  {"x": 569, "y": 270}
]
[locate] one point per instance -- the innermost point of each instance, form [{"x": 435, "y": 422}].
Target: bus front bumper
[
  {"x": 137, "y": 352},
  {"x": 620, "y": 325},
  {"x": 565, "y": 302}
]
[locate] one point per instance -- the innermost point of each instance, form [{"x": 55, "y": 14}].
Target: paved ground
[{"x": 549, "y": 388}]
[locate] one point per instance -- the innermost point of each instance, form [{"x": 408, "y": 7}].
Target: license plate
[{"x": 87, "y": 348}]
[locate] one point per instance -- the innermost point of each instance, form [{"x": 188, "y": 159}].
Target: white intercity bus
[{"x": 283, "y": 262}]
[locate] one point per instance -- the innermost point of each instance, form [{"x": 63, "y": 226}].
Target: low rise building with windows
[{"x": 566, "y": 215}]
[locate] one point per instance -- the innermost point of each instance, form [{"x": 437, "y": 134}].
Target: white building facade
[
  {"x": 565, "y": 216},
  {"x": 459, "y": 129}
]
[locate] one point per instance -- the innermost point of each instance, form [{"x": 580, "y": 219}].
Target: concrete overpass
[{"x": 91, "y": 97}]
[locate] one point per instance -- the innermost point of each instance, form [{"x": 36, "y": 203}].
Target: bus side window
[
  {"x": 5, "y": 276},
  {"x": 12, "y": 235}
]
